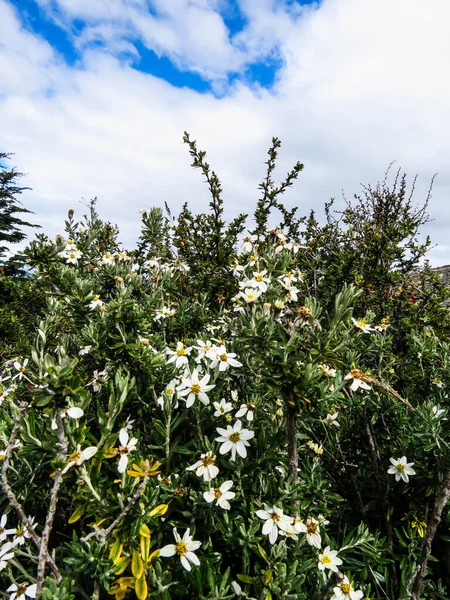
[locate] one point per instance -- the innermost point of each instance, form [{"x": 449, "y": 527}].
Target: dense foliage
[{"x": 229, "y": 410}]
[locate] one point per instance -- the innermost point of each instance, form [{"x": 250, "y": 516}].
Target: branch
[
  {"x": 43, "y": 552},
  {"x": 7, "y": 490}
]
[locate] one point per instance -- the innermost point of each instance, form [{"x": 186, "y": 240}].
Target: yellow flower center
[
  {"x": 123, "y": 450},
  {"x": 223, "y": 357},
  {"x": 346, "y": 588},
  {"x": 253, "y": 257},
  {"x": 170, "y": 391},
  {"x": 362, "y": 323},
  {"x": 95, "y": 298},
  {"x": 74, "y": 456},
  {"x": 181, "y": 548},
  {"x": 217, "y": 493},
  {"x": 235, "y": 437},
  {"x": 208, "y": 460},
  {"x": 2, "y": 457},
  {"x": 195, "y": 389},
  {"x": 19, "y": 531},
  {"x": 311, "y": 527},
  {"x": 357, "y": 374},
  {"x": 181, "y": 352},
  {"x": 400, "y": 468},
  {"x": 275, "y": 517},
  {"x": 326, "y": 560},
  {"x": 259, "y": 278}
]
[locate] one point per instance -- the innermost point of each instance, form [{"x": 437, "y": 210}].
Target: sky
[{"x": 95, "y": 96}]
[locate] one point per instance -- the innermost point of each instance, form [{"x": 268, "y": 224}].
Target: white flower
[
  {"x": 274, "y": 520},
  {"x": 222, "y": 407},
  {"x": 95, "y": 302},
  {"x": 246, "y": 410},
  {"x": 74, "y": 412},
  {"x": 184, "y": 547},
  {"x": 221, "y": 495},
  {"x": 22, "y": 533},
  {"x": 331, "y": 419},
  {"x": 358, "y": 380},
  {"x": 107, "y": 259},
  {"x": 247, "y": 243},
  {"x": 436, "y": 412},
  {"x": 224, "y": 359},
  {"x": 249, "y": 295},
  {"x": 194, "y": 388},
  {"x": 234, "y": 439},
  {"x": 78, "y": 456},
  {"x": 72, "y": 256},
  {"x": 20, "y": 368},
  {"x": 205, "y": 467},
  {"x": 179, "y": 356},
  {"x": 312, "y": 532},
  {"x": 401, "y": 469},
  {"x": 5, "y": 555},
  {"x": 361, "y": 324},
  {"x": 128, "y": 423},
  {"x": 327, "y": 370},
  {"x": 4, "y": 532},
  {"x": 436, "y": 381},
  {"x": 329, "y": 560},
  {"x": 345, "y": 591},
  {"x": 127, "y": 446},
  {"x": 259, "y": 281},
  {"x": 204, "y": 348},
  {"x": 84, "y": 350},
  {"x": 21, "y": 590},
  {"x": 169, "y": 393}
]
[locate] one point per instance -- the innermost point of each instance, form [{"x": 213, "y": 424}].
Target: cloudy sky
[{"x": 95, "y": 96}]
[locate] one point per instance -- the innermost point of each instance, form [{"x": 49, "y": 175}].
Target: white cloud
[{"x": 363, "y": 83}]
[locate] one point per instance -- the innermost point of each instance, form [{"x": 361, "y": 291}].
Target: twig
[
  {"x": 7, "y": 490},
  {"x": 43, "y": 552},
  {"x": 417, "y": 578},
  {"x": 102, "y": 534}
]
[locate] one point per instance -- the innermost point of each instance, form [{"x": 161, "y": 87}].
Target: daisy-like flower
[
  {"x": 222, "y": 407},
  {"x": 259, "y": 281},
  {"x": 5, "y": 555},
  {"x": 24, "y": 589},
  {"x": 22, "y": 533},
  {"x": 246, "y": 410},
  {"x": 436, "y": 381},
  {"x": 401, "y": 469},
  {"x": 313, "y": 532},
  {"x": 345, "y": 591},
  {"x": 72, "y": 257},
  {"x": 3, "y": 531},
  {"x": 127, "y": 446},
  {"x": 184, "y": 547},
  {"x": 249, "y": 295},
  {"x": 107, "y": 259},
  {"x": 221, "y": 495},
  {"x": 224, "y": 359},
  {"x": 204, "y": 348},
  {"x": 274, "y": 520},
  {"x": 74, "y": 412},
  {"x": 327, "y": 370},
  {"x": 358, "y": 378},
  {"x": 331, "y": 419},
  {"x": 361, "y": 324},
  {"x": 169, "y": 393},
  {"x": 194, "y": 388},
  {"x": 205, "y": 467},
  {"x": 329, "y": 560},
  {"x": 95, "y": 302},
  {"x": 247, "y": 243},
  {"x": 235, "y": 439},
  {"x": 78, "y": 456},
  {"x": 179, "y": 356},
  {"x": 84, "y": 350},
  {"x": 436, "y": 412},
  {"x": 20, "y": 368}
]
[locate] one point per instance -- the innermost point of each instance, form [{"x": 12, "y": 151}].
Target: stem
[
  {"x": 419, "y": 574},
  {"x": 291, "y": 425},
  {"x": 43, "y": 551}
]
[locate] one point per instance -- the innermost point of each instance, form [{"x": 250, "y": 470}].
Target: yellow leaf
[
  {"x": 159, "y": 510},
  {"x": 145, "y": 548},
  {"x": 141, "y": 587},
  {"x": 144, "y": 530},
  {"x": 269, "y": 575},
  {"x": 121, "y": 565},
  {"x": 77, "y": 514},
  {"x": 137, "y": 564},
  {"x": 116, "y": 551}
]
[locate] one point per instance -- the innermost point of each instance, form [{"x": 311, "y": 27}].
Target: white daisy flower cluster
[{"x": 71, "y": 253}]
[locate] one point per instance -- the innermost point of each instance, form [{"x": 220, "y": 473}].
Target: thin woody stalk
[
  {"x": 417, "y": 578},
  {"x": 291, "y": 426},
  {"x": 43, "y": 552}
]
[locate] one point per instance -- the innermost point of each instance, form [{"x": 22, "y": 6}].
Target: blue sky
[
  {"x": 47, "y": 21},
  {"x": 95, "y": 96}
]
